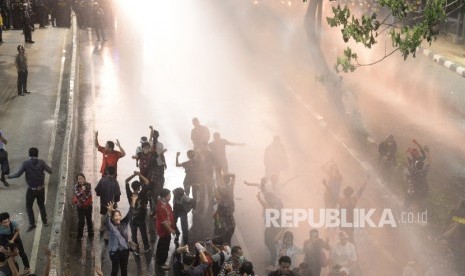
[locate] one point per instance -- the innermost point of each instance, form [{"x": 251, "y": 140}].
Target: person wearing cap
[
  {"x": 164, "y": 223},
  {"x": 21, "y": 68},
  {"x": 35, "y": 169}
]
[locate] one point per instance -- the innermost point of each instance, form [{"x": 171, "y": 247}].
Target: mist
[{"x": 247, "y": 69}]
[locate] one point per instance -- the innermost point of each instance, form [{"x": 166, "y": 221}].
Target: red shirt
[
  {"x": 164, "y": 213},
  {"x": 109, "y": 159}
]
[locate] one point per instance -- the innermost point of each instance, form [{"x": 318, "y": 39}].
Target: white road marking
[{"x": 38, "y": 230}]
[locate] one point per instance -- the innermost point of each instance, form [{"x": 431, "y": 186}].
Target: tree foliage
[{"x": 410, "y": 27}]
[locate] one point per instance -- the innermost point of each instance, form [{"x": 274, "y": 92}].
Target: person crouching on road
[
  {"x": 83, "y": 201},
  {"x": 9, "y": 234},
  {"x": 35, "y": 169},
  {"x": 117, "y": 228}
]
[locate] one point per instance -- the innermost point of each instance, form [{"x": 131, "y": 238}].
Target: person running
[
  {"x": 83, "y": 201},
  {"x": 35, "y": 169}
]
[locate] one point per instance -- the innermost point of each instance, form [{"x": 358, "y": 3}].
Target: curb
[
  {"x": 452, "y": 66},
  {"x": 56, "y": 235}
]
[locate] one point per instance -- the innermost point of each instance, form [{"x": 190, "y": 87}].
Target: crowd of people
[
  {"x": 24, "y": 14},
  {"x": 415, "y": 163},
  {"x": 10, "y": 238},
  {"x": 208, "y": 192},
  {"x": 207, "y": 186}
]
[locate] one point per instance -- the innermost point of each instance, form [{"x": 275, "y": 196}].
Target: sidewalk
[
  {"x": 447, "y": 53},
  {"x": 32, "y": 121}
]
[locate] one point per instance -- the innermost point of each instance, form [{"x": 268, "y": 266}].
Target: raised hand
[{"x": 110, "y": 206}]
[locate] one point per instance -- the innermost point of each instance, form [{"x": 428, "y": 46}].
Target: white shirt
[
  {"x": 227, "y": 254},
  {"x": 159, "y": 149},
  {"x": 343, "y": 254}
]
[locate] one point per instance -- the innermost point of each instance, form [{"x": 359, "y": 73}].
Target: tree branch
[{"x": 378, "y": 61}]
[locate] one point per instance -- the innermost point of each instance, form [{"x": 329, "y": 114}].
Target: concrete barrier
[{"x": 60, "y": 229}]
